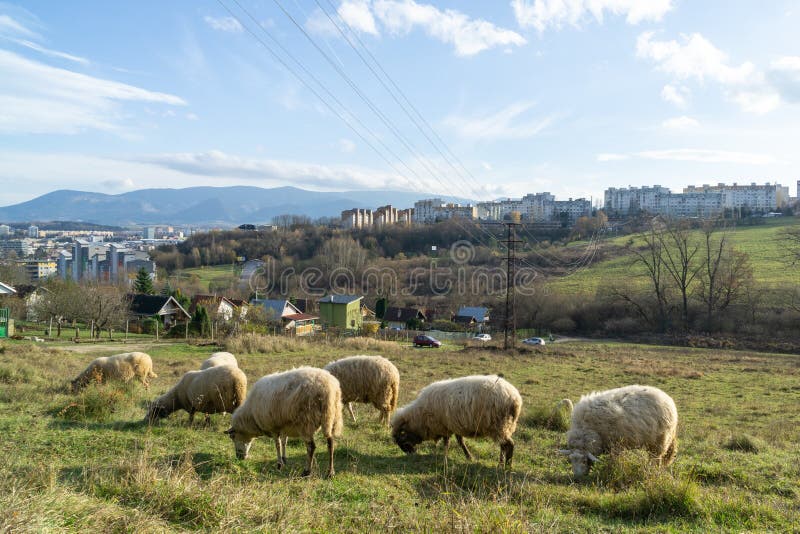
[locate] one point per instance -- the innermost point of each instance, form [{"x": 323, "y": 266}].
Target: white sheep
[
  {"x": 368, "y": 379},
  {"x": 472, "y": 406},
  {"x": 630, "y": 417},
  {"x": 121, "y": 367},
  {"x": 214, "y": 390},
  {"x": 294, "y": 403},
  {"x": 219, "y": 358}
]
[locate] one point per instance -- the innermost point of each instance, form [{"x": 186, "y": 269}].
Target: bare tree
[
  {"x": 679, "y": 257},
  {"x": 725, "y": 274},
  {"x": 103, "y": 305}
]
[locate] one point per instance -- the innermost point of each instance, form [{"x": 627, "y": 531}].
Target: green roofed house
[{"x": 341, "y": 311}]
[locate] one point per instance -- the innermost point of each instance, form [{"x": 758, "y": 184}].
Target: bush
[
  {"x": 563, "y": 324},
  {"x": 97, "y": 402},
  {"x": 743, "y": 443},
  {"x": 555, "y": 417}
]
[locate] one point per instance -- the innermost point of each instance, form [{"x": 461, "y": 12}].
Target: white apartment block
[
  {"x": 357, "y": 218},
  {"x": 435, "y": 209},
  {"x": 695, "y": 201},
  {"x": 534, "y": 207}
]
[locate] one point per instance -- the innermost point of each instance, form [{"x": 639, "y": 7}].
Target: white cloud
[
  {"x": 468, "y": 36},
  {"x": 541, "y": 14},
  {"x": 680, "y": 123},
  {"x": 399, "y": 17},
  {"x": 49, "y": 52},
  {"x": 224, "y": 24},
  {"x": 347, "y": 146},
  {"x": 215, "y": 163},
  {"x": 696, "y": 58},
  {"x": 37, "y": 98},
  {"x": 784, "y": 73},
  {"x": 511, "y": 122},
  {"x": 192, "y": 117},
  {"x": 677, "y": 95},
  {"x": 356, "y": 14},
  {"x": 10, "y": 26},
  {"x": 695, "y": 155},
  {"x": 122, "y": 184}
]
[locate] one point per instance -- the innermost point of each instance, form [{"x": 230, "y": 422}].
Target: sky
[{"x": 471, "y": 98}]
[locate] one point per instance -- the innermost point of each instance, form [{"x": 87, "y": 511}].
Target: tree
[
  {"x": 103, "y": 305},
  {"x": 679, "y": 258},
  {"x": 200, "y": 321},
  {"x": 650, "y": 256},
  {"x": 724, "y": 276},
  {"x": 143, "y": 283}
]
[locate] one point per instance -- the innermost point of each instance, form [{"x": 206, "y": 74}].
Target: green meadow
[
  {"x": 762, "y": 243},
  {"x": 86, "y": 462}
]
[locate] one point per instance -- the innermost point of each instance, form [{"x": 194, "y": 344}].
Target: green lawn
[
  {"x": 219, "y": 274},
  {"x": 762, "y": 243},
  {"x": 85, "y": 462}
]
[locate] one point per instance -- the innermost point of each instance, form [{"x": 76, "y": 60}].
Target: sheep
[
  {"x": 630, "y": 417},
  {"x": 219, "y": 358},
  {"x": 369, "y": 379},
  {"x": 213, "y": 390},
  {"x": 474, "y": 406},
  {"x": 293, "y": 403},
  {"x": 122, "y": 367}
]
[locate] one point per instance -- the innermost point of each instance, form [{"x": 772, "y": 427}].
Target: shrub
[
  {"x": 743, "y": 443},
  {"x": 97, "y": 402},
  {"x": 555, "y": 417}
]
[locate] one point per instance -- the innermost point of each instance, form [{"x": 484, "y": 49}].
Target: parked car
[
  {"x": 426, "y": 341},
  {"x": 533, "y": 341},
  {"x": 482, "y": 337}
]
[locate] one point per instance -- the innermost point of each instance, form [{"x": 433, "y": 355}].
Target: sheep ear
[
  {"x": 592, "y": 457},
  {"x": 565, "y": 452}
]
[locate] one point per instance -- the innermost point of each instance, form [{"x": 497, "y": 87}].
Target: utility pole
[{"x": 510, "y": 326}]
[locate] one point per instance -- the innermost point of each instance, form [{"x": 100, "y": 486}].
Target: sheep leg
[
  {"x": 506, "y": 452},
  {"x": 281, "y": 458},
  {"x": 460, "y": 440},
  {"x": 208, "y": 420},
  {"x": 283, "y": 448},
  {"x": 352, "y": 413},
  {"x": 446, "y": 443},
  {"x": 310, "y": 447},
  {"x": 330, "y": 457},
  {"x": 191, "y": 417}
]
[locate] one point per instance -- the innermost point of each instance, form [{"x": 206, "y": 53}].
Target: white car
[
  {"x": 533, "y": 341},
  {"x": 482, "y": 337}
]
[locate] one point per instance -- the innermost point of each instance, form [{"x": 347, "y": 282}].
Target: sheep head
[
  {"x": 241, "y": 442},
  {"x": 155, "y": 411},
  {"x": 406, "y": 439},
  {"x": 581, "y": 461}
]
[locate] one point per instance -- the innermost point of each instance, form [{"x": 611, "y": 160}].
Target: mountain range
[{"x": 200, "y": 205}]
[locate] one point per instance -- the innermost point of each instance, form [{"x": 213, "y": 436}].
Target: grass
[
  {"x": 95, "y": 466},
  {"x": 762, "y": 243},
  {"x": 220, "y": 275}
]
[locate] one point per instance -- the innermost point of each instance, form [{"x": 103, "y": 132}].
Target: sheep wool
[
  {"x": 473, "y": 406},
  {"x": 631, "y": 417},
  {"x": 122, "y": 367},
  {"x": 217, "y": 389},
  {"x": 293, "y": 403},
  {"x": 368, "y": 379},
  {"x": 219, "y": 358}
]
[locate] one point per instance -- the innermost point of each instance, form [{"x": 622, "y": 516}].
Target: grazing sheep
[
  {"x": 213, "y": 390},
  {"x": 630, "y": 417},
  {"x": 369, "y": 379},
  {"x": 294, "y": 403},
  {"x": 122, "y": 367},
  {"x": 473, "y": 406},
  {"x": 219, "y": 358}
]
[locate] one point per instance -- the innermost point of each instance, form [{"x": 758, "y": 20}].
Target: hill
[
  {"x": 762, "y": 243},
  {"x": 199, "y": 205}
]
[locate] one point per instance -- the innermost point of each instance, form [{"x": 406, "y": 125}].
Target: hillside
[
  {"x": 762, "y": 243},
  {"x": 199, "y": 205}
]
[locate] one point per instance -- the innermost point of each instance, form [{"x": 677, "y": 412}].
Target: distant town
[{"x": 97, "y": 254}]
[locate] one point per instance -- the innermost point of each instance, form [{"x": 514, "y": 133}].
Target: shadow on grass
[{"x": 127, "y": 426}]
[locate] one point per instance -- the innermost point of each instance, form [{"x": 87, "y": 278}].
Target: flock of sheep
[{"x": 300, "y": 402}]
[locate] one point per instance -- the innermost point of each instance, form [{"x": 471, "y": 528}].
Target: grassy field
[
  {"x": 85, "y": 462},
  {"x": 220, "y": 275},
  {"x": 762, "y": 243}
]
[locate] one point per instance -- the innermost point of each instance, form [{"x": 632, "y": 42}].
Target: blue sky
[{"x": 566, "y": 96}]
